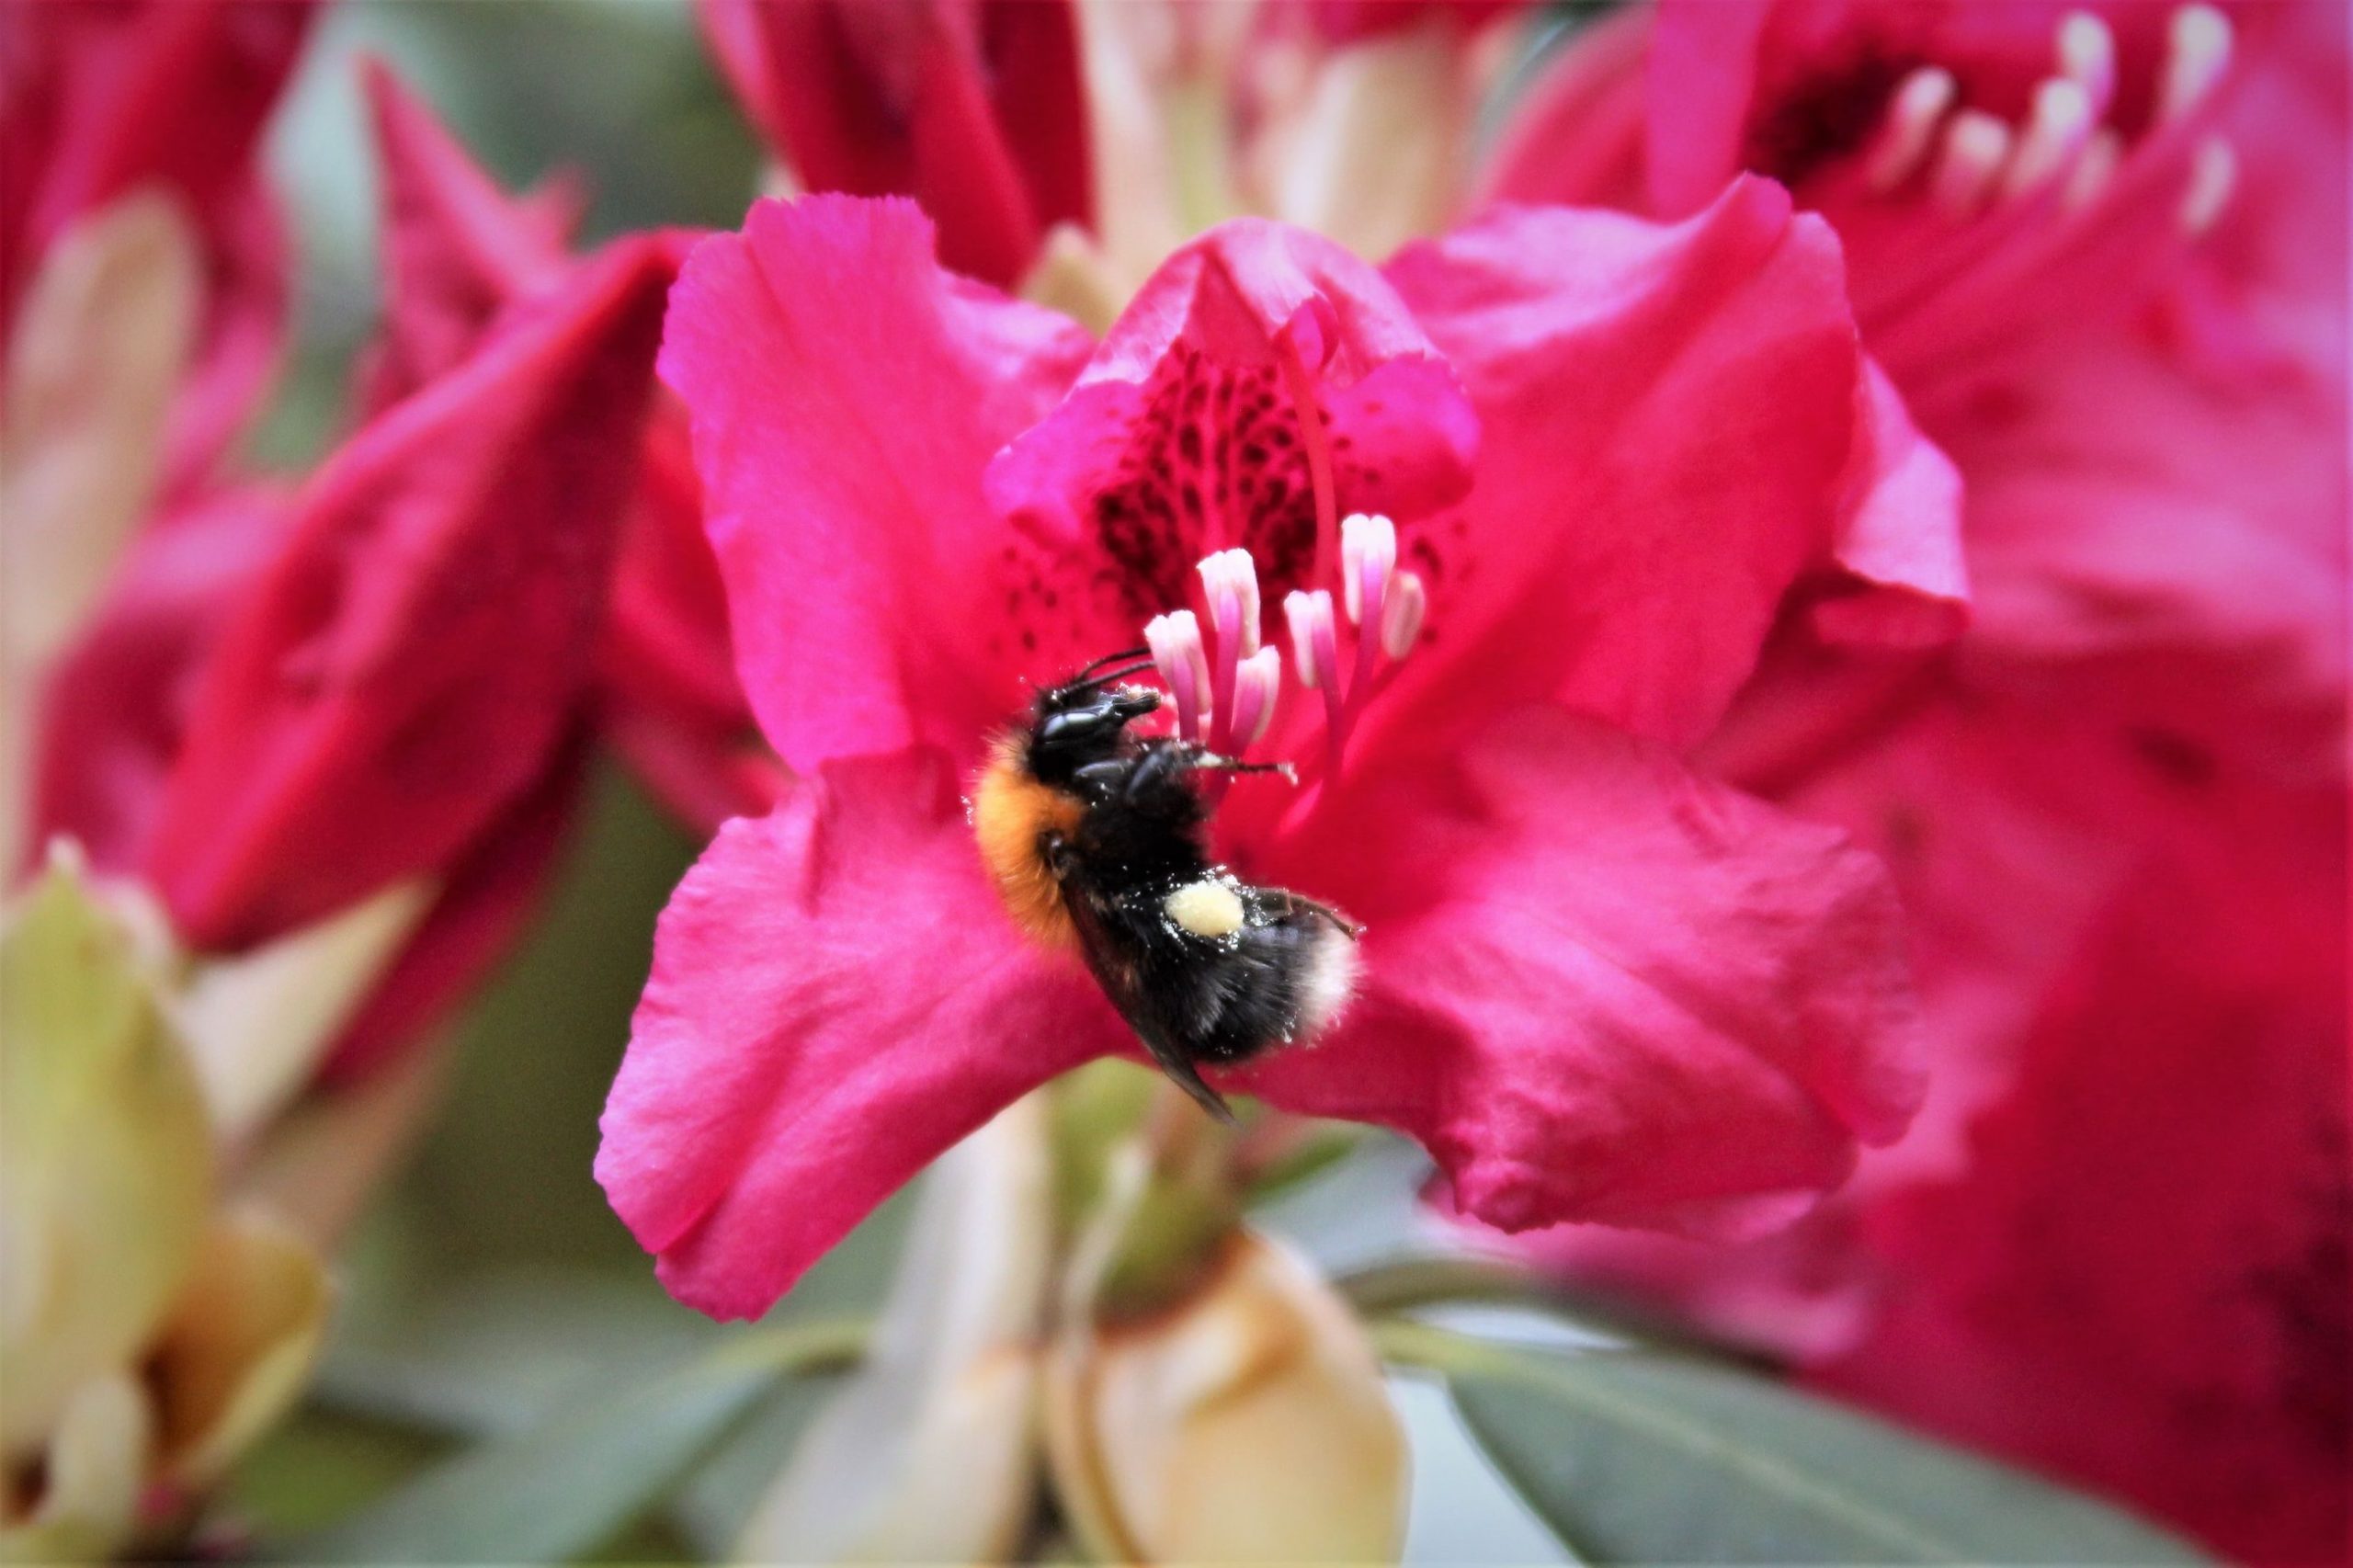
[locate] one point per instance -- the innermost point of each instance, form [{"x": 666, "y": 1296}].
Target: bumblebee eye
[{"x": 1079, "y": 721}]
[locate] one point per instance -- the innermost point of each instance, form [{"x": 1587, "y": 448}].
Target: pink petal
[
  {"x": 2169, "y": 546},
  {"x": 976, "y": 110},
  {"x": 666, "y": 672},
  {"x": 1600, "y": 988},
  {"x": 1703, "y": 63},
  {"x": 1183, "y": 437},
  {"x": 248, "y": 308},
  {"x": 482, "y": 911},
  {"x": 115, "y": 712},
  {"x": 1667, "y": 415},
  {"x": 837, "y": 998},
  {"x": 403, "y": 670},
  {"x": 1899, "y": 540},
  {"x": 458, "y": 250},
  {"x": 847, "y": 394},
  {"x": 2140, "y": 1282}
]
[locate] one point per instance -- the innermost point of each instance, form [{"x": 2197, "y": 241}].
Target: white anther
[
  {"x": 2055, "y": 133},
  {"x": 1368, "y": 545},
  {"x": 1976, "y": 145},
  {"x": 1910, "y": 126},
  {"x": 1175, "y": 640},
  {"x": 1230, "y": 585},
  {"x": 1308, "y": 616},
  {"x": 2087, "y": 56},
  {"x": 1402, "y": 613},
  {"x": 2094, "y": 169},
  {"x": 2201, "y": 53},
  {"x": 2211, "y": 176},
  {"x": 1256, "y": 681}
]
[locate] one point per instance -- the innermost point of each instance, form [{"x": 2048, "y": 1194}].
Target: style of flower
[{"x": 1586, "y": 456}]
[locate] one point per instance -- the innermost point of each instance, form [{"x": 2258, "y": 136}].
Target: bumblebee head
[{"x": 1081, "y": 722}]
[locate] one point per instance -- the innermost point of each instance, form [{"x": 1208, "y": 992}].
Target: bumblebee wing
[{"x": 1121, "y": 952}]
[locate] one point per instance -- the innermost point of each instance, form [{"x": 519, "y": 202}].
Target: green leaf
[
  {"x": 1637, "y": 1458},
  {"x": 575, "y": 1479}
]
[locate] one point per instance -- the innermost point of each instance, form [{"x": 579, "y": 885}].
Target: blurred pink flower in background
[
  {"x": 120, "y": 96},
  {"x": 2102, "y": 251},
  {"x": 974, "y": 107},
  {"x": 1505, "y": 812}
]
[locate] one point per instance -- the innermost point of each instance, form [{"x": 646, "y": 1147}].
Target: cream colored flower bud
[
  {"x": 1248, "y": 1423},
  {"x": 927, "y": 1453},
  {"x": 106, "y": 1158},
  {"x": 143, "y": 1342}
]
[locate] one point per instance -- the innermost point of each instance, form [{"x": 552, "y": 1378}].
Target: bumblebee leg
[
  {"x": 1302, "y": 902},
  {"x": 1208, "y": 762}
]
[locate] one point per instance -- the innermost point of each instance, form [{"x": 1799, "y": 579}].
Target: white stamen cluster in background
[{"x": 1974, "y": 159}]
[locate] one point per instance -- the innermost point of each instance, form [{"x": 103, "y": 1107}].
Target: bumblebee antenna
[
  {"x": 1135, "y": 653},
  {"x": 1110, "y": 675}
]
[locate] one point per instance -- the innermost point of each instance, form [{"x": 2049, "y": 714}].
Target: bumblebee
[{"x": 1095, "y": 838}]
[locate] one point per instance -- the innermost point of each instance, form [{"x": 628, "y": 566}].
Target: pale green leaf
[
  {"x": 1649, "y": 1459},
  {"x": 566, "y": 1483}
]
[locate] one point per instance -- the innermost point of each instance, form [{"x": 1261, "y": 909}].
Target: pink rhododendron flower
[
  {"x": 406, "y": 663},
  {"x": 975, "y": 108},
  {"x": 2152, "y": 1226},
  {"x": 1596, "y": 986},
  {"x": 2011, "y": 184},
  {"x": 2136, "y": 363},
  {"x": 107, "y": 98},
  {"x": 464, "y": 256}
]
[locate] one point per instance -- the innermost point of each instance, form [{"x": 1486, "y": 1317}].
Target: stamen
[
  {"x": 1314, "y": 640},
  {"x": 2101, "y": 154},
  {"x": 1175, "y": 642},
  {"x": 1230, "y": 587},
  {"x": 2054, "y": 133},
  {"x": 1401, "y": 619},
  {"x": 1368, "y": 555},
  {"x": 1976, "y": 145},
  {"x": 1231, "y": 577},
  {"x": 2087, "y": 56},
  {"x": 1910, "y": 126},
  {"x": 1257, "y": 680},
  {"x": 1315, "y": 654},
  {"x": 2211, "y": 177},
  {"x": 1368, "y": 560},
  {"x": 2201, "y": 53}
]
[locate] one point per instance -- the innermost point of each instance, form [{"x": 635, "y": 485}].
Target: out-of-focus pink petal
[
  {"x": 402, "y": 672},
  {"x": 1702, "y": 81},
  {"x": 102, "y": 99},
  {"x": 240, "y": 343},
  {"x": 837, "y": 998},
  {"x": 1600, "y": 988},
  {"x": 2172, "y": 548},
  {"x": 480, "y": 914},
  {"x": 846, "y": 396},
  {"x": 665, "y": 673},
  {"x": 2140, "y": 1281},
  {"x": 1667, "y": 419},
  {"x": 974, "y": 108},
  {"x": 117, "y": 707},
  {"x": 458, "y": 250},
  {"x": 1898, "y": 536},
  {"x": 1183, "y": 436}
]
